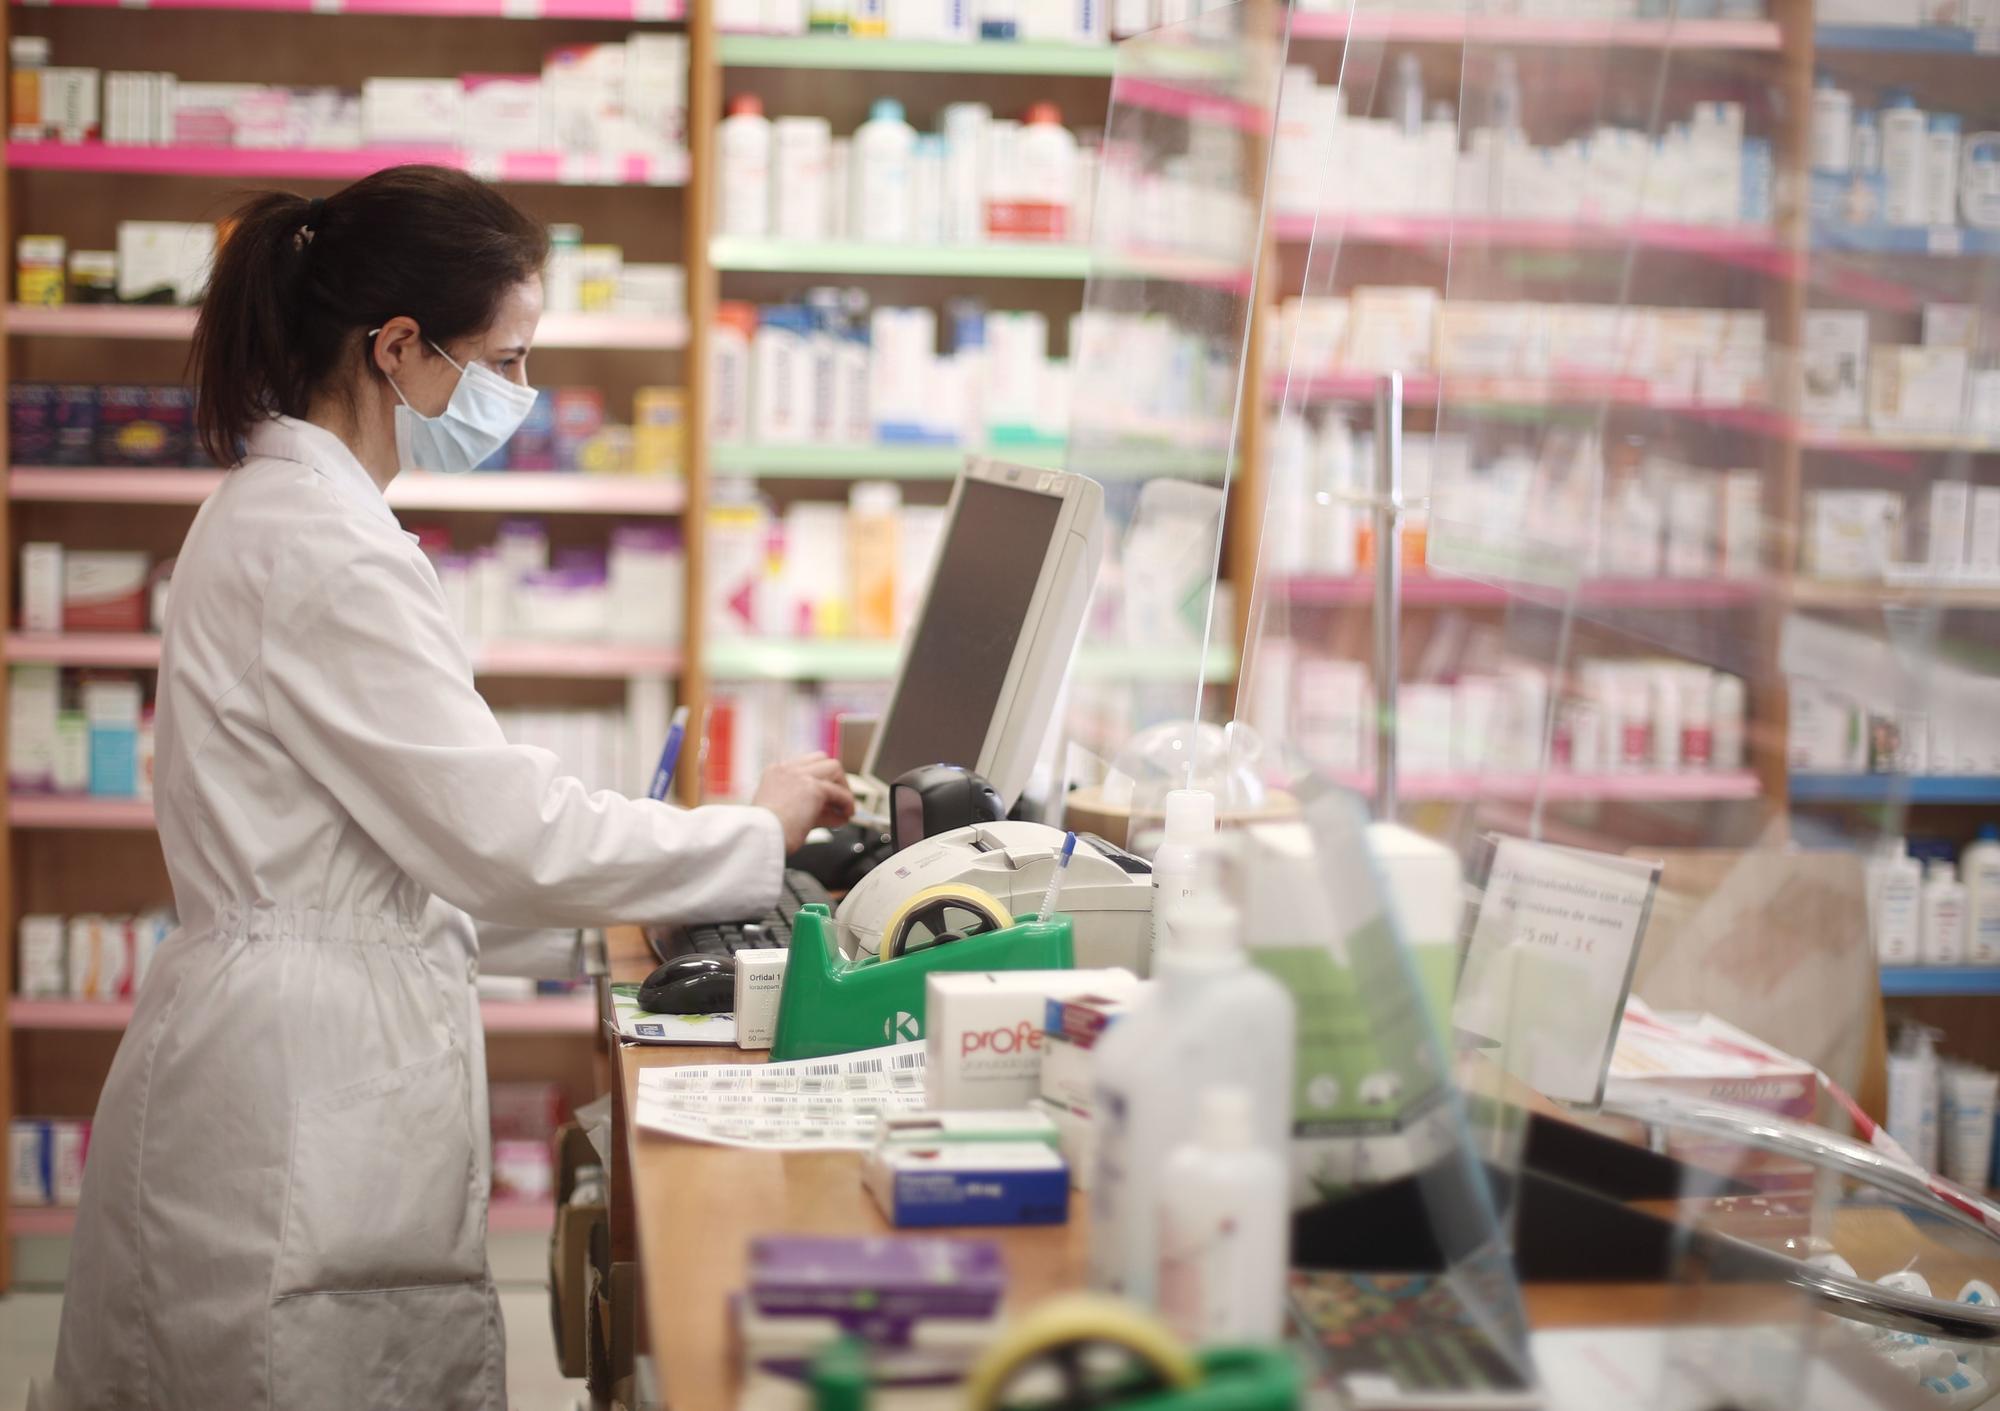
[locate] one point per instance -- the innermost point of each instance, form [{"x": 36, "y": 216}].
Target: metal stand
[{"x": 1388, "y": 513}]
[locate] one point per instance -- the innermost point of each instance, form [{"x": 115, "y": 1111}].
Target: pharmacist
[{"x": 284, "y": 1205}]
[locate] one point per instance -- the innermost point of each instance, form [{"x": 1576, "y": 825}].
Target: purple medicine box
[{"x": 891, "y": 1278}]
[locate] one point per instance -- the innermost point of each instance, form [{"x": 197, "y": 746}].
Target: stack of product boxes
[
  {"x": 1900, "y": 168},
  {"x": 520, "y": 588},
  {"x": 155, "y": 262},
  {"x": 45, "y": 1160},
  {"x": 78, "y": 733},
  {"x": 1070, "y": 1035},
  {"x": 525, "y": 1118},
  {"x": 117, "y": 426},
  {"x": 1947, "y": 382},
  {"x": 89, "y": 957},
  {"x": 960, "y": 21},
  {"x": 625, "y": 101},
  {"x": 566, "y": 429}
]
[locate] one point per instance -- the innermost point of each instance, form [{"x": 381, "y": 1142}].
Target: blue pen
[
  {"x": 1048, "y": 911},
  {"x": 670, "y": 756}
]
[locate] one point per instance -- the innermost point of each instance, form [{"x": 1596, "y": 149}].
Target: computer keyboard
[{"x": 770, "y": 931}]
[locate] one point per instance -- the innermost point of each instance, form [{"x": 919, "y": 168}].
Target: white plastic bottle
[
  {"x": 1224, "y": 1229},
  {"x": 1905, "y": 200},
  {"x": 744, "y": 138},
  {"x": 1895, "y": 901},
  {"x": 1980, "y": 866},
  {"x": 1942, "y": 941},
  {"x": 881, "y": 164},
  {"x": 1211, "y": 1017},
  {"x": 1044, "y": 176},
  {"x": 1913, "y": 1094},
  {"x": 1832, "y": 126},
  {"x": 1190, "y": 824},
  {"x": 1406, "y": 97},
  {"x": 1941, "y": 168},
  {"x": 1726, "y": 722},
  {"x": 1867, "y": 144}
]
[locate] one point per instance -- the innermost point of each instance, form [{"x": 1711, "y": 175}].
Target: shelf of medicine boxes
[
  {"x": 1427, "y": 389},
  {"x": 1907, "y": 980},
  {"x": 1907, "y": 39},
  {"x": 1690, "y": 787},
  {"x": 1895, "y": 788},
  {"x": 346, "y": 163},
  {"x": 1398, "y": 26},
  {"x": 831, "y": 52},
  {"x": 171, "y": 323},
  {"x": 838, "y": 659},
  {"x": 630, "y": 11},
  {"x": 1751, "y": 244},
  {"x": 1134, "y": 461},
  {"x": 502, "y": 492},
  {"x": 1019, "y": 260},
  {"x": 516, "y": 1216},
  {"x": 1433, "y": 589},
  {"x": 572, "y": 660},
  {"x": 569, "y": 1014},
  {"x": 1867, "y": 597},
  {"x": 1947, "y": 240}
]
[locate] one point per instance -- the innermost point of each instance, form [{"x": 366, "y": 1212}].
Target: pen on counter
[
  {"x": 1048, "y": 911},
  {"x": 670, "y": 756}
]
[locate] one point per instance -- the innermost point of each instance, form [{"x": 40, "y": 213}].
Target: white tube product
[
  {"x": 1965, "y": 1123},
  {"x": 1942, "y": 940},
  {"x": 1895, "y": 900},
  {"x": 744, "y": 140},
  {"x": 880, "y": 180},
  {"x": 1913, "y": 1094},
  {"x": 1190, "y": 824},
  {"x": 1211, "y": 1018},
  {"x": 1904, "y": 200},
  {"x": 1980, "y": 864},
  {"x": 1225, "y": 1229}
]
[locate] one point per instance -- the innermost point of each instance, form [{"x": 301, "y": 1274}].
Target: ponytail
[{"x": 296, "y": 280}]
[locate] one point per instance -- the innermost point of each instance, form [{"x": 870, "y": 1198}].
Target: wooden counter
[{"x": 686, "y": 1213}]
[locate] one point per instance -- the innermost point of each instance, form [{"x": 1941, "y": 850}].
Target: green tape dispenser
[{"x": 830, "y": 1004}]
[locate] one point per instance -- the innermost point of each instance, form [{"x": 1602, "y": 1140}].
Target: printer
[{"x": 1107, "y": 893}]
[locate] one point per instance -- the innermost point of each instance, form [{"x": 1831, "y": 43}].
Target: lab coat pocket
[
  {"x": 426, "y": 1349},
  {"x": 382, "y": 1187}
]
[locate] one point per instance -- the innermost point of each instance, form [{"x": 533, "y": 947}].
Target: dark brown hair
[{"x": 296, "y": 279}]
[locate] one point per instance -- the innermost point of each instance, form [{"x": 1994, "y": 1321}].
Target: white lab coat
[{"x": 285, "y": 1200}]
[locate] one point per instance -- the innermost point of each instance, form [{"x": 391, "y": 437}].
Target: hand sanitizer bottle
[
  {"x": 1225, "y": 1229},
  {"x": 1190, "y": 824}
]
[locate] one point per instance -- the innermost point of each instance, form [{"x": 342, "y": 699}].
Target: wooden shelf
[
  {"x": 52, "y": 811},
  {"x": 1715, "y": 241},
  {"x": 1437, "y": 590},
  {"x": 1709, "y": 787},
  {"x": 1400, "y": 27},
  {"x": 998, "y": 260}
]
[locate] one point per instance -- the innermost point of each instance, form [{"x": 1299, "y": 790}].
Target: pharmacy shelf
[
  {"x": 1437, "y": 590},
  {"x": 164, "y": 322},
  {"x": 868, "y": 462},
  {"x": 52, "y": 811},
  {"x": 1885, "y": 788},
  {"x": 502, "y": 492},
  {"x": 345, "y": 163},
  {"x": 1904, "y": 240},
  {"x": 569, "y": 660},
  {"x": 1404, "y": 27},
  {"x": 628, "y": 11},
  {"x": 992, "y": 261},
  {"x": 1716, "y": 787},
  {"x": 834, "y": 659},
  {"x": 1193, "y": 102},
  {"x": 41, "y": 1220},
  {"x": 521, "y": 1217},
  {"x": 1425, "y": 389},
  {"x": 1906, "y": 980},
  {"x": 572, "y": 1015},
  {"x": 1718, "y": 241},
  {"x": 1873, "y": 596},
  {"x": 1906, "y": 39},
  {"x": 1859, "y": 441},
  {"x": 827, "y": 52}
]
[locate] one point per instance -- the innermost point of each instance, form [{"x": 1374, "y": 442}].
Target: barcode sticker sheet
[{"x": 810, "y": 1104}]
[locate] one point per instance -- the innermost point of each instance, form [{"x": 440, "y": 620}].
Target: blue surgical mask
[{"x": 484, "y": 411}]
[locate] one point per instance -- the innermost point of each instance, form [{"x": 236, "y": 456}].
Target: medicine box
[
  {"x": 1076, "y": 1130},
  {"x": 1916, "y": 389},
  {"x": 1834, "y": 365},
  {"x": 899, "y": 1280},
  {"x": 1070, "y": 1034},
  {"x": 935, "y": 1128},
  {"x": 30, "y": 1163},
  {"x": 760, "y": 977},
  {"x": 1853, "y": 534},
  {"x": 974, "y": 1183},
  {"x": 983, "y": 1032},
  {"x": 104, "y": 590}
]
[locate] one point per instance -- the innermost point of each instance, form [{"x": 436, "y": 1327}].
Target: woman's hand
[{"x": 805, "y": 793}]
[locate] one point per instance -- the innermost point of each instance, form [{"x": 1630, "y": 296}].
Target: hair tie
[{"x": 315, "y": 209}]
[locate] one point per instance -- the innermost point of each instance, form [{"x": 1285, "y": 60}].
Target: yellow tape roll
[
  {"x": 932, "y": 904},
  {"x": 1075, "y": 1321}
]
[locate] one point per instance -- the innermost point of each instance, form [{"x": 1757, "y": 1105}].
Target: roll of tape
[
  {"x": 948, "y": 907},
  {"x": 1082, "y": 1342}
]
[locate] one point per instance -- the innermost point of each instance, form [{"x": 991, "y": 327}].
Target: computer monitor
[{"x": 982, "y": 667}]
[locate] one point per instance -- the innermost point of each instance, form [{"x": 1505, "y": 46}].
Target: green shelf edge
[
  {"x": 743, "y": 255},
  {"x": 805, "y": 660},
  {"x": 757, "y": 462},
  {"x": 836, "y": 51}
]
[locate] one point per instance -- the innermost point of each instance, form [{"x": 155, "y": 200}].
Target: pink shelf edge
[
  {"x": 1541, "y": 234},
  {"x": 164, "y": 321},
  {"x": 1634, "y": 788},
  {"x": 555, "y": 658},
  {"x": 615, "y": 10},
  {"x": 340, "y": 163},
  {"x": 1180, "y": 100},
  {"x": 553, "y": 491},
  {"x": 68, "y": 1013},
  {"x": 513, "y": 1216},
  {"x": 1670, "y": 34},
  {"x": 1446, "y": 591},
  {"x": 40, "y": 1220},
  {"x": 58, "y": 811}
]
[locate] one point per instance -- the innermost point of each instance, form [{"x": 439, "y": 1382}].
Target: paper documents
[
  {"x": 642, "y": 1026},
  {"x": 810, "y": 1104}
]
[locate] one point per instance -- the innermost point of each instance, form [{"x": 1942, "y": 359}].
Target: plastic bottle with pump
[
  {"x": 1942, "y": 941},
  {"x": 1225, "y": 1229},
  {"x": 744, "y": 140},
  {"x": 1895, "y": 903},
  {"x": 1190, "y": 826},
  {"x": 881, "y": 163},
  {"x": 1211, "y": 1017},
  {"x": 1980, "y": 866}
]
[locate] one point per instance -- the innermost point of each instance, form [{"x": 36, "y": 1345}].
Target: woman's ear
[{"x": 395, "y": 345}]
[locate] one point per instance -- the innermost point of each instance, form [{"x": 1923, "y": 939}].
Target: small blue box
[{"x": 969, "y": 1183}]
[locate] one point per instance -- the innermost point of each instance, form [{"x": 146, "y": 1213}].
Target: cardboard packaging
[
  {"x": 983, "y": 1031},
  {"x": 970, "y": 1183}
]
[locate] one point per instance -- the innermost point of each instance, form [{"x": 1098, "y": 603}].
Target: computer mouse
[
  {"x": 837, "y": 858},
  {"x": 691, "y": 984}
]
